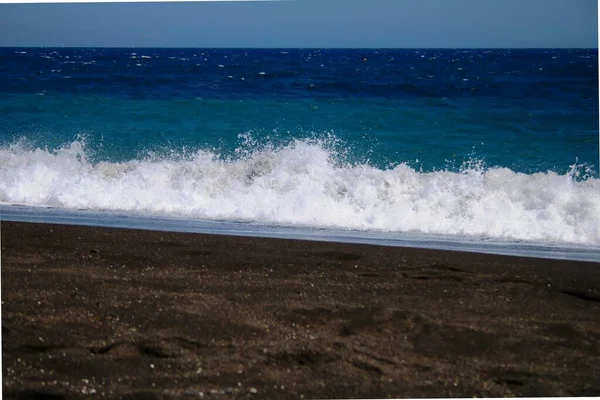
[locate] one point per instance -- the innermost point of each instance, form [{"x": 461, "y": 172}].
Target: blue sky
[{"x": 305, "y": 23}]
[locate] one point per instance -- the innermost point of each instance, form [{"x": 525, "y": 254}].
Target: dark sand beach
[{"x": 138, "y": 314}]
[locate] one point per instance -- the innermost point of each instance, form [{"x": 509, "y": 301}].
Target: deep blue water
[
  {"x": 496, "y": 143},
  {"x": 528, "y": 110}
]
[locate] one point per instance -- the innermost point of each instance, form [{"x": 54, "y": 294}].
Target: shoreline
[
  {"x": 125, "y": 312},
  {"x": 178, "y": 224}
]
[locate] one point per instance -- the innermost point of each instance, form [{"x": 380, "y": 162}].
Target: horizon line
[{"x": 299, "y": 47}]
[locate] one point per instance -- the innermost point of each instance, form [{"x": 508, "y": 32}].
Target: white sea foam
[{"x": 303, "y": 183}]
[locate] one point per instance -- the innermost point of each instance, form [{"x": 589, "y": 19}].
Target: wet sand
[{"x": 139, "y": 314}]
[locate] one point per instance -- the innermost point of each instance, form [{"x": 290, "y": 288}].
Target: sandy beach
[{"x": 139, "y": 314}]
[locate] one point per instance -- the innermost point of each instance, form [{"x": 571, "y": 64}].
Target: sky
[{"x": 305, "y": 23}]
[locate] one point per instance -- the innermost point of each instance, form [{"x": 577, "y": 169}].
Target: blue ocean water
[{"x": 498, "y": 143}]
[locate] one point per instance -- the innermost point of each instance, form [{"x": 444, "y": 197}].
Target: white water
[{"x": 301, "y": 184}]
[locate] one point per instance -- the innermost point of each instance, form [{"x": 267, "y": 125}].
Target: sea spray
[{"x": 306, "y": 182}]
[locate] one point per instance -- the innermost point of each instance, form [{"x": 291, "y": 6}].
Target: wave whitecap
[{"x": 303, "y": 183}]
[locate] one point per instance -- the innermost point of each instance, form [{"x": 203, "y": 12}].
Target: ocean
[{"x": 480, "y": 147}]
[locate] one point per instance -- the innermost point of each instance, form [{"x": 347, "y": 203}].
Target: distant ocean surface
[{"x": 481, "y": 144}]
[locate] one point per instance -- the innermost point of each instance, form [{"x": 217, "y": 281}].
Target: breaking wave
[{"x": 306, "y": 182}]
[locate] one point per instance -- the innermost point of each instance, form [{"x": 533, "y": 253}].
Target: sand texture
[{"x": 137, "y": 314}]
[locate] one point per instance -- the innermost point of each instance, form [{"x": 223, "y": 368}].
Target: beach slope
[{"x": 142, "y": 314}]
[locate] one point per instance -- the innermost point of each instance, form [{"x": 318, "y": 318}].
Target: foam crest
[{"x": 306, "y": 182}]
